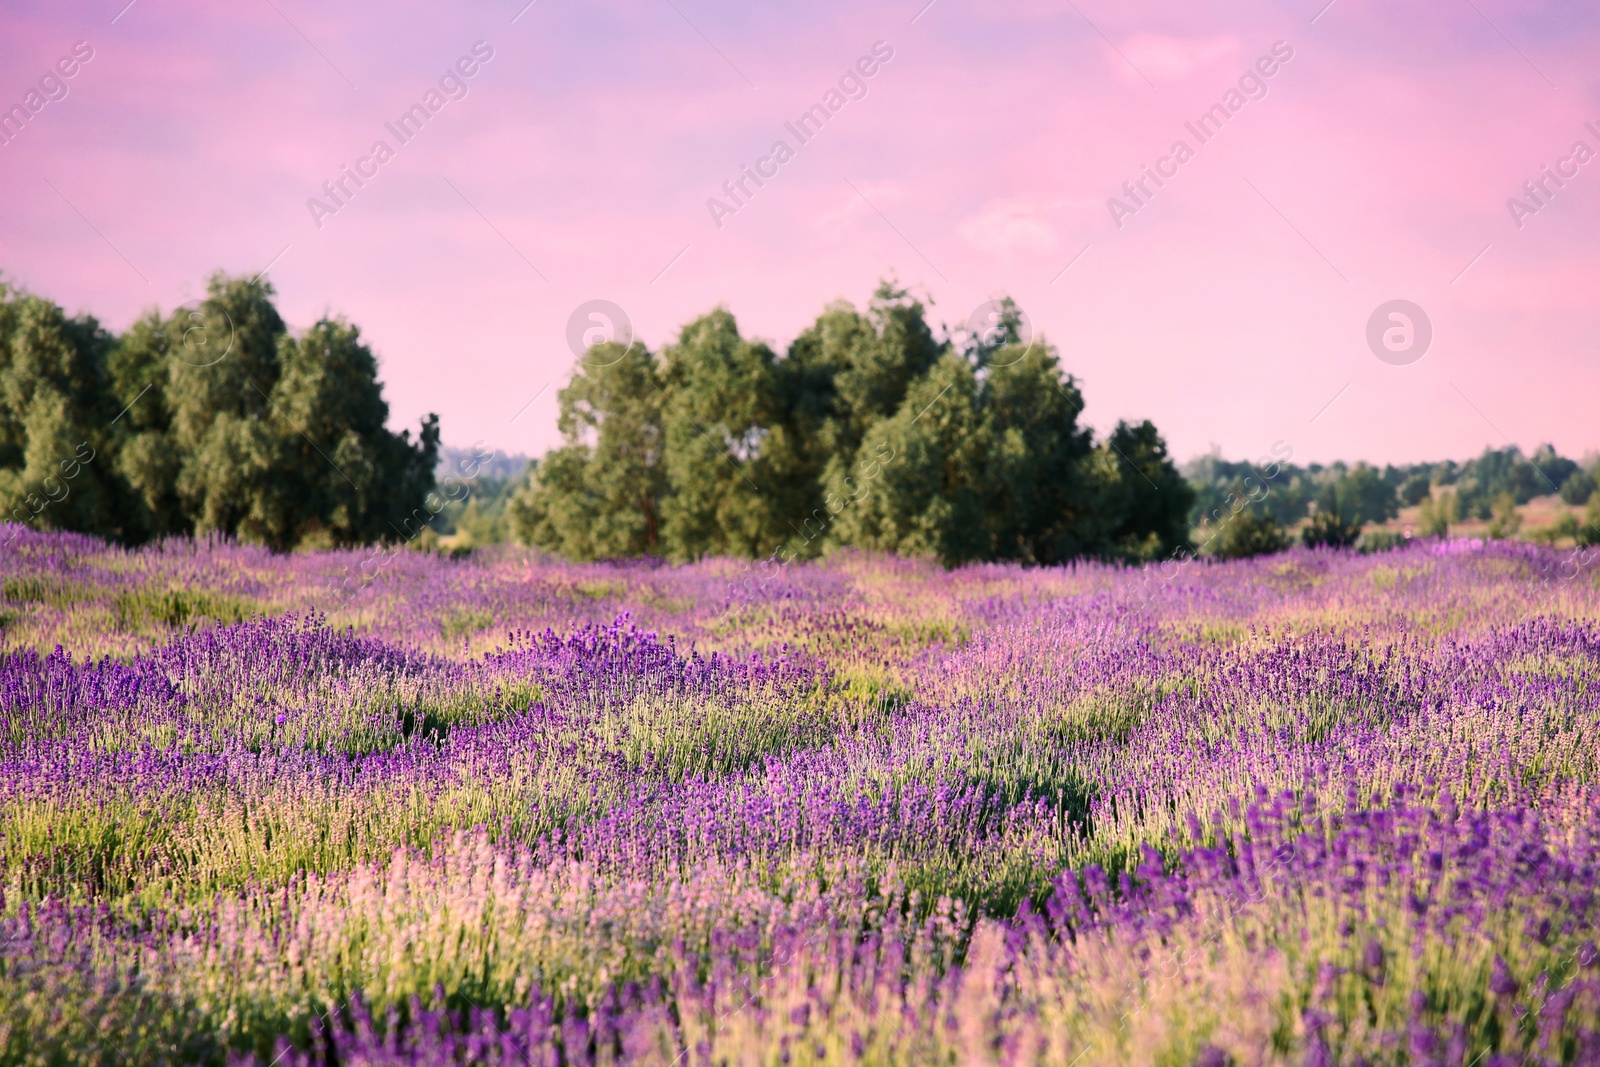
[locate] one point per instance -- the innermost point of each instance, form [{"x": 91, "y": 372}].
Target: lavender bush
[{"x": 397, "y": 809}]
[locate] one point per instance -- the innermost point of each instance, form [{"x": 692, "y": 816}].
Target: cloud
[
  {"x": 1005, "y": 226},
  {"x": 1169, "y": 59},
  {"x": 851, "y": 206}
]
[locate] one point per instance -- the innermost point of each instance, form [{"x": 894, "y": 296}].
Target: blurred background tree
[
  {"x": 1589, "y": 532},
  {"x": 1504, "y": 520},
  {"x": 1250, "y": 532},
  {"x": 1438, "y": 513}
]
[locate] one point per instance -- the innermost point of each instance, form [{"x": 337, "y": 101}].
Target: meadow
[{"x": 1311, "y": 808}]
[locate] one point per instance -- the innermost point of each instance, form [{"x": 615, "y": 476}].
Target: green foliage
[
  {"x": 1565, "y": 526},
  {"x": 212, "y": 420},
  {"x": 727, "y": 490},
  {"x": 1589, "y": 532},
  {"x": 1414, "y": 490},
  {"x": 1042, "y": 492},
  {"x": 1330, "y": 529},
  {"x": 1359, "y": 496},
  {"x": 868, "y": 433},
  {"x": 1578, "y": 488},
  {"x": 928, "y": 497},
  {"x": 1495, "y": 473},
  {"x": 844, "y": 374},
  {"x": 1381, "y": 541},
  {"x": 1345, "y": 503},
  {"x": 1437, "y": 514},
  {"x": 599, "y": 495},
  {"x": 57, "y": 421},
  {"x": 1248, "y": 533},
  {"x": 477, "y": 511},
  {"x": 1363, "y": 493},
  {"x": 1504, "y": 520},
  {"x": 1143, "y": 495}
]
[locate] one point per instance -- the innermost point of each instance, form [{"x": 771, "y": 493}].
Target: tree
[
  {"x": 1578, "y": 487},
  {"x": 870, "y": 432},
  {"x": 1551, "y": 469},
  {"x": 917, "y": 488},
  {"x": 1347, "y": 501},
  {"x": 1506, "y": 470},
  {"x": 1330, "y": 529},
  {"x": 1504, "y": 520},
  {"x": 149, "y": 460},
  {"x": 729, "y": 486},
  {"x": 599, "y": 495},
  {"x": 842, "y": 376},
  {"x": 221, "y": 424},
  {"x": 189, "y": 424},
  {"x": 1437, "y": 514},
  {"x": 1248, "y": 533},
  {"x": 1040, "y": 500},
  {"x": 1272, "y": 485},
  {"x": 874, "y": 358},
  {"x": 57, "y": 421},
  {"x": 1414, "y": 490},
  {"x": 338, "y": 472},
  {"x": 1565, "y": 525},
  {"x": 1362, "y": 495},
  {"x": 1143, "y": 500},
  {"x": 1589, "y": 532}
]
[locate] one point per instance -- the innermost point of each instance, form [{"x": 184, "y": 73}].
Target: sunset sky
[{"x": 576, "y": 163}]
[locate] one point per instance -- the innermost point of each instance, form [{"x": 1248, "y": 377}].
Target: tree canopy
[
  {"x": 870, "y": 431},
  {"x": 211, "y": 419}
]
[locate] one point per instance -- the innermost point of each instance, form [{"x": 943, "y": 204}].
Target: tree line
[
  {"x": 870, "y": 431},
  {"x": 1240, "y": 509},
  {"x": 211, "y": 419}
]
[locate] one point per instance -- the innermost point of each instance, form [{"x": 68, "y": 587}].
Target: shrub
[{"x": 1248, "y": 533}]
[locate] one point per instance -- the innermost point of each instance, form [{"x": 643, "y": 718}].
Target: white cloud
[
  {"x": 1005, "y": 226},
  {"x": 852, "y": 206}
]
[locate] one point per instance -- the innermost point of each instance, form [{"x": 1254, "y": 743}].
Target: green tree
[
  {"x": 1579, "y": 486},
  {"x": 221, "y": 422},
  {"x": 599, "y": 496},
  {"x": 1437, "y": 514},
  {"x": 918, "y": 487},
  {"x": 233, "y": 426},
  {"x": 869, "y": 432},
  {"x": 57, "y": 421},
  {"x": 1144, "y": 500},
  {"x": 1362, "y": 494},
  {"x": 149, "y": 460},
  {"x": 339, "y": 475},
  {"x": 1414, "y": 490},
  {"x": 1347, "y": 501},
  {"x": 1564, "y": 526},
  {"x": 729, "y": 486},
  {"x": 1589, "y": 532},
  {"x": 1504, "y": 519},
  {"x": 1330, "y": 529},
  {"x": 1041, "y": 500},
  {"x": 844, "y": 374},
  {"x": 1250, "y": 532}
]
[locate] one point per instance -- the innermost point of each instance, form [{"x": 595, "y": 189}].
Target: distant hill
[{"x": 501, "y": 467}]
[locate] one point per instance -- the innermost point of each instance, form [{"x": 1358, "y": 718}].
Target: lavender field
[{"x": 1314, "y": 808}]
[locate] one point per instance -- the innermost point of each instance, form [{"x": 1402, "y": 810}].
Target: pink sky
[{"x": 1230, "y": 309}]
